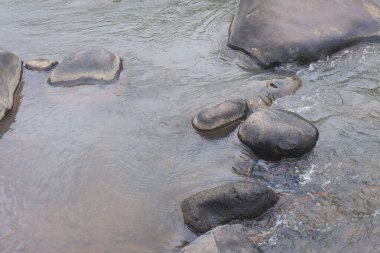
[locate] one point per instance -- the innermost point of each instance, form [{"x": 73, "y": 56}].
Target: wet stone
[
  {"x": 216, "y": 117},
  {"x": 280, "y": 31},
  {"x": 41, "y": 64},
  {"x": 275, "y": 134},
  {"x": 278, "y": 88},
  {"x": 223, "y": 239},
  {"x": 94, "y": 65},
  {"x": 220, "y": 205},
  {"x": 10, "y": 78}
]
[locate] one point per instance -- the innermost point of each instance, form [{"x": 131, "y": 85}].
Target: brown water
[{"x": 104, "y": 168}]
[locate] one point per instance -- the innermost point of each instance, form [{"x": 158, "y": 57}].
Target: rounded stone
[
  {"x": 41, "y": 64},
  {"x": 275, "y": 134},
  {"x": 94, "y": 65},
  {"x": 220, "y": 205},
  {"x": 218, "y": 116},
  {"x": 10, "y": 78}
]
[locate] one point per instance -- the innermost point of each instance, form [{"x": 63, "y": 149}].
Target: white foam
[{"x": 305, "y": 178}]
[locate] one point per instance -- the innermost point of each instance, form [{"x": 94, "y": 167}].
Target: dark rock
[
  {"x": 94, "y": 65},
  {"x": 275, "y": 134},
  {"x": 221, "y": 115},
  {"x": 222, "y": 239},
  {"x": 40, "y": 64},
  {"x": 277, "y": 88},
  {"x": 10, "y": 78},
  {"x": 234, "y": 201},
  {"x": 280, "y": 31}
]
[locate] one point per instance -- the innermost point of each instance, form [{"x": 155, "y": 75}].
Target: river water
[{"x": 104, "y": 168}]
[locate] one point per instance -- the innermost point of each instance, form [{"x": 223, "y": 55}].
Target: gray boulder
[
  {"x": 280, "y": 31},
  {"x": 41, "y": 64},
  {"x": 216, "y": 117},
  {"x": 94, "y": 65},
  {"x": 223, "y": 239},
  {"x": 220, "y": 205},
  {"x": 10, "y": 78},
  {"x": 275, "y": 134}
]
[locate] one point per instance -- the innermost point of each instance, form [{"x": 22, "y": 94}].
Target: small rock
[
  {"x": 223, "y": 239},
  {"x": 220, "y": 205},
  {"x": 275, "y": 134},
  {"x": 94, "y": 65},
  {"x": 40, "y": 64},
  {"x": 221, "y": 115},
  {"x": 10, "y": 78},
  {"x": 277, "y": 88}
]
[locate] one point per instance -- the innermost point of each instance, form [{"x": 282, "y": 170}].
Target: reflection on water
[{"x": 104, "y": 168}]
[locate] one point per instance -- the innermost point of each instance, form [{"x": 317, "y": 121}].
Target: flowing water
[{"x": 104, "y": 168}]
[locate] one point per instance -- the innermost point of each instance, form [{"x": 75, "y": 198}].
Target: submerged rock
[
  {"x": 277, "y": 88},
  {"x": 10, "y": 78},
  {"x": 223, "y": 239},
  {"x": 280, "y": 31},
  {"x": 89, "y": 66},
  {"x": 220, "y": 205},
  {"x": 275, "y": 134},
  {"x": 221, "y": 115},
  {"x": 40, "y": 64}
]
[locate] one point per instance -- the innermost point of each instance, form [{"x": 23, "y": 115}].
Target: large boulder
[
  {"x": 275, "y": 134},
  {"x": 10, "y": 78},
  {"x": 94, "y": 65},
  {"x": 223, "y": 239},
  {"x": 280, "y": 31},
  {"x": 218, "y": 116},
  {"x": 220, "y": 205}
]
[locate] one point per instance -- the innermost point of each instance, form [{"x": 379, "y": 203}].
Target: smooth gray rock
[
  {"x": 223, "y": 239},
  {"x": 41, "y": 64},
  {"x": 10, "y": 78},
  {"x": 220, "y": 205},
  {"x": 275, "y": 134},
  {"x": 216, "y": 117},
  {"x": 94, "y": 65},
  {"x": 281, "y": 31}
]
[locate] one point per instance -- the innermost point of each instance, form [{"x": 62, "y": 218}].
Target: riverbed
[{"x": 104, "y": 168}]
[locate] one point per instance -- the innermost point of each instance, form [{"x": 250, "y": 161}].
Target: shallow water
[{"x": 104, "y": 168}]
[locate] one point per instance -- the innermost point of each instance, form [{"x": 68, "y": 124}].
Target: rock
[
  {"x": 221, "y": 115},
  {"x": 281, "y": 31},
  {"x": 223, "y": 239},
  {"x": 94, "y": 65},
  {"x": 10, "y": 78},
  {"x": 277, "y": 88},
  {"x": 40, "y": 64},
  {"x": 275, "y": 134},
  {"x": 233, "y": 201}
]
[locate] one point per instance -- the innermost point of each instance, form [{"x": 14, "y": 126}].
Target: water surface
[{"x": 104, "y": 168}]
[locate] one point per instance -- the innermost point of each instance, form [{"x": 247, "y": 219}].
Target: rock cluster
[{"x": 271, "y": 134}]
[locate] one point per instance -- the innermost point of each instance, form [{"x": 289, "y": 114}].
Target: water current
[{"x": 104, "y": 168}]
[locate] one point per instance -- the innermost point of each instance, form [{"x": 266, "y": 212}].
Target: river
[{"x": 104, "y": 168}]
